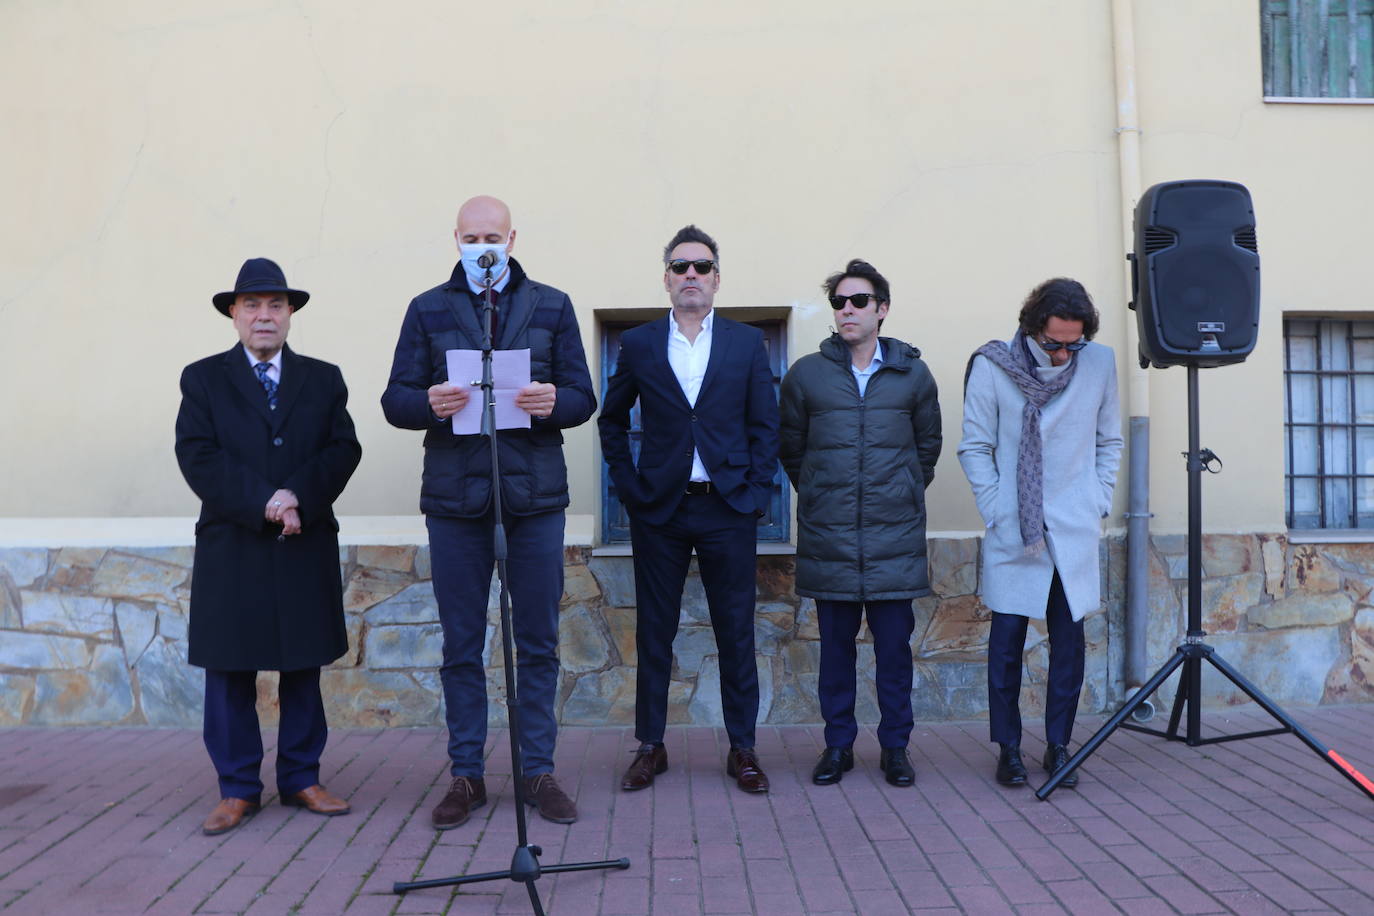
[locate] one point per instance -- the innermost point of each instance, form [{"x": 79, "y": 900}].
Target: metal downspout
[{"x": 1137, "y": 380}]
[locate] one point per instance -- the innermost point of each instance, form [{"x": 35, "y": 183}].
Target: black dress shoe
[
  {"x": 1010, "y": 770},
  {"x": 896, "y": 766},
  {"x": 834, "y": 763},
  {"x": 743, "y": 765},
  {"x": 1057, "y": 757}
]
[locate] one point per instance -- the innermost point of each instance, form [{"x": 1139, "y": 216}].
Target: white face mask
[{"x": 470, "y": 254}]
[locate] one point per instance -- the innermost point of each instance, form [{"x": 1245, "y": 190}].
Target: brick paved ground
[{"x": 107, "y": 821}]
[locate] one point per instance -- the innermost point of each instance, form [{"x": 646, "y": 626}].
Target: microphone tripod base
[{"x": 524, "y": 869}]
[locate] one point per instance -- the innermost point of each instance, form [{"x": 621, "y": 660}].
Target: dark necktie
[{"x": 267, "y": 384}]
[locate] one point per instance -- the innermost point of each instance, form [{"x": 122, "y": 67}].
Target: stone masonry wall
[{"x": 97, "y": 636}]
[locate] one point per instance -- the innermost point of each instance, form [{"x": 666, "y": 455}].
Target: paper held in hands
[{"x": 510, "y": 371}]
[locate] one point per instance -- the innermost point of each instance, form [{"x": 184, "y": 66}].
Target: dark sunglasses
[
  {"x": 1049, "y": 346},
  {"x": 680, "y": 266},
  {"x": 860, "y": 300}
]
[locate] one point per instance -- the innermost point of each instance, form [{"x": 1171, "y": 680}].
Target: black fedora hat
[{"x": 261, "y": 275}]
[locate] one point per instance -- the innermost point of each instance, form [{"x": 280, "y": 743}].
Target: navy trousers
[
  {"x": 463, "y": 558},
  {"x": 233, "y": 738},
  {"x": 1006, "y": 647},
  {"x": 891, "y": 623},
  {"x": 724, "y": 541}
]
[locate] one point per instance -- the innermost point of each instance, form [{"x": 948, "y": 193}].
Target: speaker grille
[
  {"x": 1204, "y": 283},
  {"x": 1157, "y": 239},
  {"x": 1245, "y": 238}
]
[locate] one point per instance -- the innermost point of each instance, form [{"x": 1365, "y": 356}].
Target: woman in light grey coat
[{"x": 1041, "y": 445}]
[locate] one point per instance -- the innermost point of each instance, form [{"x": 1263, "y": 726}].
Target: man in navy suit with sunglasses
[{"x": 708, "y": 454}]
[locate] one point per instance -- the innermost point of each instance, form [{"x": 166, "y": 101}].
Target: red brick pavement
[{"x": 108, "y": 821}]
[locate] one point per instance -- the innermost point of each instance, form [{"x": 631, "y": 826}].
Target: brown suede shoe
[
  {"x": 228, "y": 814},
  {"x": 464, "y": 796},
  {"x": 650, "y": 760},
  {"x": 543, "y": 794},
  {"x": 743, "y": 764},
  {"x": 317, "y": 799}
]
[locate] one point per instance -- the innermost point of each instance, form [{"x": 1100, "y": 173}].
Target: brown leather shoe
[
  {"x": 543, "y": 794},
  {"x": 742, "y": 764},
  {"x": 319, "y": 800},
  {"x": 228, "y": 814},
  {"x": 650, "y": 760},
  {"x": 465, "y": 795}
]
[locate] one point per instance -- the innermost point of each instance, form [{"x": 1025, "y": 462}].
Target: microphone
[{"x": 488, "y": 259}]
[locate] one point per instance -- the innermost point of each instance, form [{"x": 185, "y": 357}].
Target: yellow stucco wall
[
  {"x": 968, "y": 150},
  {"x": 1307, "y": 167}
]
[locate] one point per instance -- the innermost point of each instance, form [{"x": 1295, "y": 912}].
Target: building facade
[{"x": 968, "y": 150}]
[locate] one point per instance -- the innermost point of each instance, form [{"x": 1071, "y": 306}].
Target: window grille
[{"x": 1329, "y": 422}]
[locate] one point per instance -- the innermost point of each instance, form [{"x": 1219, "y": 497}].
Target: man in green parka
[{"x": 860, "y": 431}]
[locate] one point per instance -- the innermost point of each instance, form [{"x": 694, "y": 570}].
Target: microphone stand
[{"x": 524, "y": 865}]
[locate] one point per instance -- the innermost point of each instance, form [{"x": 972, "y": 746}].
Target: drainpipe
[{"x": 1137, "y": 379}]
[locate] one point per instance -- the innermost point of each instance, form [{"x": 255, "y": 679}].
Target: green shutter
[{"x": 1318, "y": 48}]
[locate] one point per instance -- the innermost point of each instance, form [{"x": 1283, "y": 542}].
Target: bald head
[{"x": 483, "y": 220}]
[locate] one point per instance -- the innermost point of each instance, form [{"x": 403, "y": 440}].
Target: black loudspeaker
[{"x": 1195, "y": 274}]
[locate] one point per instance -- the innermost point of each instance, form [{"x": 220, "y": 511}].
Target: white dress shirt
[
  {"x": 274, "y": 365},
  {"x": 863, "y": 375},
  {"x": 688, "y": 359}
]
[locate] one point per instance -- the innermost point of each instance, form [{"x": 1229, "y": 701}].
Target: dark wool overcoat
[
  {"x": 861, "y": 466},
  {"x": 259, "y": 603}
]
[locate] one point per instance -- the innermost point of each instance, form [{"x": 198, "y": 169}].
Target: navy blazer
[{"x": 734, "y": 424}]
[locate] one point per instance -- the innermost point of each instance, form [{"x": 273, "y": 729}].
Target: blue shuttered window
[
  {"x": 1318, "y": 48},
  {"x": 615, "y": 524}
]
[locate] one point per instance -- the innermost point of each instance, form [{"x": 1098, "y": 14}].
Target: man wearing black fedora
[{"x": 265, "y": 441}]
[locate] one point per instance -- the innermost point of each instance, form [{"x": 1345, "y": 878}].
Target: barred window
[
  {"x": 1318, "y": 48},
  {"x": 1329, "y": 420}
]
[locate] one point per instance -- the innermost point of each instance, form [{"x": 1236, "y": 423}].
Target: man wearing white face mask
[{"x": 455, "y": 496}]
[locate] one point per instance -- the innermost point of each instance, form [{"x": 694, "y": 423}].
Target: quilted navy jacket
[{"x": 457, "y": 469}]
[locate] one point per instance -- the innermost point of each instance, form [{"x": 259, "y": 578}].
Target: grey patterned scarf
[{"x": 1020, "y": 367}]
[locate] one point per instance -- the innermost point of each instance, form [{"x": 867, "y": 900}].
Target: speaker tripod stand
[{"x": 1194, "y": 651}]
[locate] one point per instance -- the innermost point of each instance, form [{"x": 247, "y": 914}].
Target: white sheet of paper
[{"x": 510, "y": 371}]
